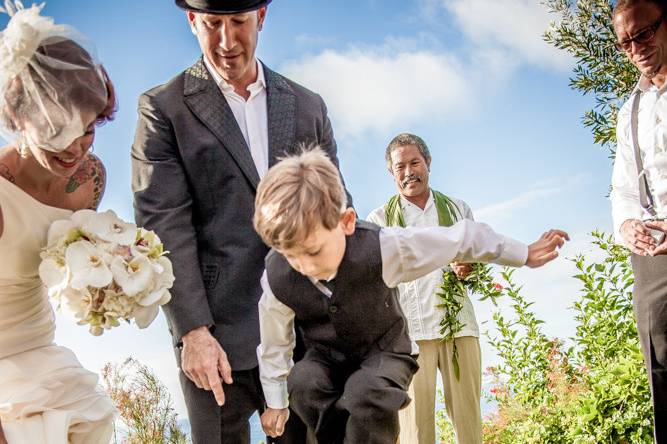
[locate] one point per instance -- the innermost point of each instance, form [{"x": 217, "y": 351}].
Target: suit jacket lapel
[
  {"x": 281, "y": 110},
  {"x": 205, "y": 100}
]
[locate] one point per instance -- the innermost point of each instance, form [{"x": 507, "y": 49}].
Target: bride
[{"x": 52, "y": 95}]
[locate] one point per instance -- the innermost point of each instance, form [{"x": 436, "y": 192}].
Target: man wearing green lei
[{"x": 408, "y": 160}]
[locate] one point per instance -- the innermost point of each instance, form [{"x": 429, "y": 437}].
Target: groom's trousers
[
  {"x": 212, "y": 424},
  {"x": 650, "y": 307}
]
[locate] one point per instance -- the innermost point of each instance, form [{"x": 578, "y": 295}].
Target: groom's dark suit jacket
[{"x": 194, "y": 183}]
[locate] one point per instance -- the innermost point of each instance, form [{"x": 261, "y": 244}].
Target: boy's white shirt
[
  {"x": 419, "y": 298},
  {"x": 407, "y": 254}
]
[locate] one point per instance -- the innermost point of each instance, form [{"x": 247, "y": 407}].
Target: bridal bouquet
[{"x": 101, "y": 269}]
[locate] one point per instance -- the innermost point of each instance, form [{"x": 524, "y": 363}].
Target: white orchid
[
  {"x": 109, "y": 227},
  {"x": 164, "y": 272},
  {"x": 133, "y": 277},
  {"x": 143, "y": 316},
  {"x": 53, "y": 272},
  {"x": 87, "y": 265},
  {"x": 60, "y": 231}
]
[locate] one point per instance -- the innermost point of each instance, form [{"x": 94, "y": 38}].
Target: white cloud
[
  {"x": 514, "y": 25},
  {"x": 410, "y": 80},
  {"x": 376, "y": 88}
]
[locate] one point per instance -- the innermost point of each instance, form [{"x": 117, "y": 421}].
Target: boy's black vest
[{"x": 362, "y": 310}]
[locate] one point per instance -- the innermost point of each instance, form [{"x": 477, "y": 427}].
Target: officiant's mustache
[{"x": 410, "y": 178}]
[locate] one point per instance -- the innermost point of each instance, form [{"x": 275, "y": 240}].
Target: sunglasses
[{"x": 642, "y": 37}]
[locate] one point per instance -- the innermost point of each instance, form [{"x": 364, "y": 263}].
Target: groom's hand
[
  {"x": 544, "y": 249},
  {"x": 273, "y": 421},
  {"x": 205, "y": 363}
]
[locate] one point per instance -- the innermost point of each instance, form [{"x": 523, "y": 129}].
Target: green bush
[{"x": 594, "y": 391}]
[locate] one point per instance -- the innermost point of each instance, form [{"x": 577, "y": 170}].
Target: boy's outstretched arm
[
  {"x": 545, "y": 249},
  {"x": 410, "y": 253}
]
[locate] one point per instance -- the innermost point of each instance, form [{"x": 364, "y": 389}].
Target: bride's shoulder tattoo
[
  {"x": 4, "y": 172},
  {"x": 93, "y": 171}
]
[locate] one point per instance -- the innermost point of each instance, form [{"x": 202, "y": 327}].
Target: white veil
[{"x": 49, "y": 78}]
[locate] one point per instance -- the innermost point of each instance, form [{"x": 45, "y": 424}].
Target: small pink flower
[
  {"x": 493, "y": 391},
  {"x": 497, "y": 287}
]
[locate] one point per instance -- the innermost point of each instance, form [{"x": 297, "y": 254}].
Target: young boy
[{"x": 337, "y": 277}]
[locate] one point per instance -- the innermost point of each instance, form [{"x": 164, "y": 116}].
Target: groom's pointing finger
[{"x": 216, "y": 387}]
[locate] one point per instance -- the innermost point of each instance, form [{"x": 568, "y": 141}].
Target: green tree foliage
[{"x": 585, "y": 31}]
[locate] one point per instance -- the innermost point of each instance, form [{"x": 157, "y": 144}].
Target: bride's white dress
[{"x": 46, "y": 396}]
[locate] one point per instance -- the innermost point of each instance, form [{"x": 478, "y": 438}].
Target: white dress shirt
[
  {"x": 407, "y": 254},
  {"x": 418, "y": 298},
  {"x": 652, "y": 130},
  {"x": 251, "y": 115}
]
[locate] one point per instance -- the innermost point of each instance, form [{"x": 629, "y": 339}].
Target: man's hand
[
  {"x": 461, "y": 270},
  {"x": 544, "y": 249},
  {"x": 204, "y": 362},
  {"x": 659, "y": 225},
  {"x": 638, "y": 237},
  {"x": 273, "y": 421}
]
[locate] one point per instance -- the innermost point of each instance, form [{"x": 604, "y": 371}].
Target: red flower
[
  {"x": 497, "y": 287},
  {"x": 493, "y": 391}
]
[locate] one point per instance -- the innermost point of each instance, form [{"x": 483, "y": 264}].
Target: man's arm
[
  {"x": 409, "y": 253},
  {"x": 163, "y": 203},
  {"x": 274, "y": 354},
  {"x": 626, "y": 209}
]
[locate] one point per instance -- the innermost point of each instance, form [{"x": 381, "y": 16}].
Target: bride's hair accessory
[{"x": 51, "y": 84}]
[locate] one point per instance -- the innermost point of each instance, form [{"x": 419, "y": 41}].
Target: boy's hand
[
  {"x": 544, "y": 249},
  {"x": 273, "y": 421}
]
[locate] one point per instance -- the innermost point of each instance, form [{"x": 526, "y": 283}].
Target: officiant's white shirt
[
  {"x": 251, "y": 115},
  {"x": 407, "y": 254},
  {"x": 419, "y": 299},
  {"x": 652, "y": 126}
]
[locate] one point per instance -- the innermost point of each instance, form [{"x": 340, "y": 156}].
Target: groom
[{"x": 203, "y": 141}]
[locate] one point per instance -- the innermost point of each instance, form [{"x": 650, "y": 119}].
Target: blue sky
[{"x": 472, "y": 77}]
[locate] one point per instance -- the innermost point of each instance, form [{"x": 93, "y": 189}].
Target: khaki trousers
[{"x": 462, "y": 397}]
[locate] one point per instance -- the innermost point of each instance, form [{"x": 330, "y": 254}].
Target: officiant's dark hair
[
  {"x": 405, "y": 139},
  {"x": 622, "y": 5}
]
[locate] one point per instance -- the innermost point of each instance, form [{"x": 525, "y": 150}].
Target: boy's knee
[
  {"x": 372, "y": 395},
  {"x": 306, "y": 377}
]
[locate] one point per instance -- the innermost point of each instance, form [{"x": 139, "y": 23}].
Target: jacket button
[{"x": 333, "y": 309}]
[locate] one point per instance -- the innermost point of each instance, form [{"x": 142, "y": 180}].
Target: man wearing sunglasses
[{"x": 639, "y": 185}]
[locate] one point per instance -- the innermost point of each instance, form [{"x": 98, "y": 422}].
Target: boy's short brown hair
[{"x": 296, "y": 195}]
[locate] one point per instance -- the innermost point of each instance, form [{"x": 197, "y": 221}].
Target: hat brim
[{"x": 183, "y": 4}]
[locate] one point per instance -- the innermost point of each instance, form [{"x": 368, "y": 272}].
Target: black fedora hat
[{"x": 222, "y": 6}]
